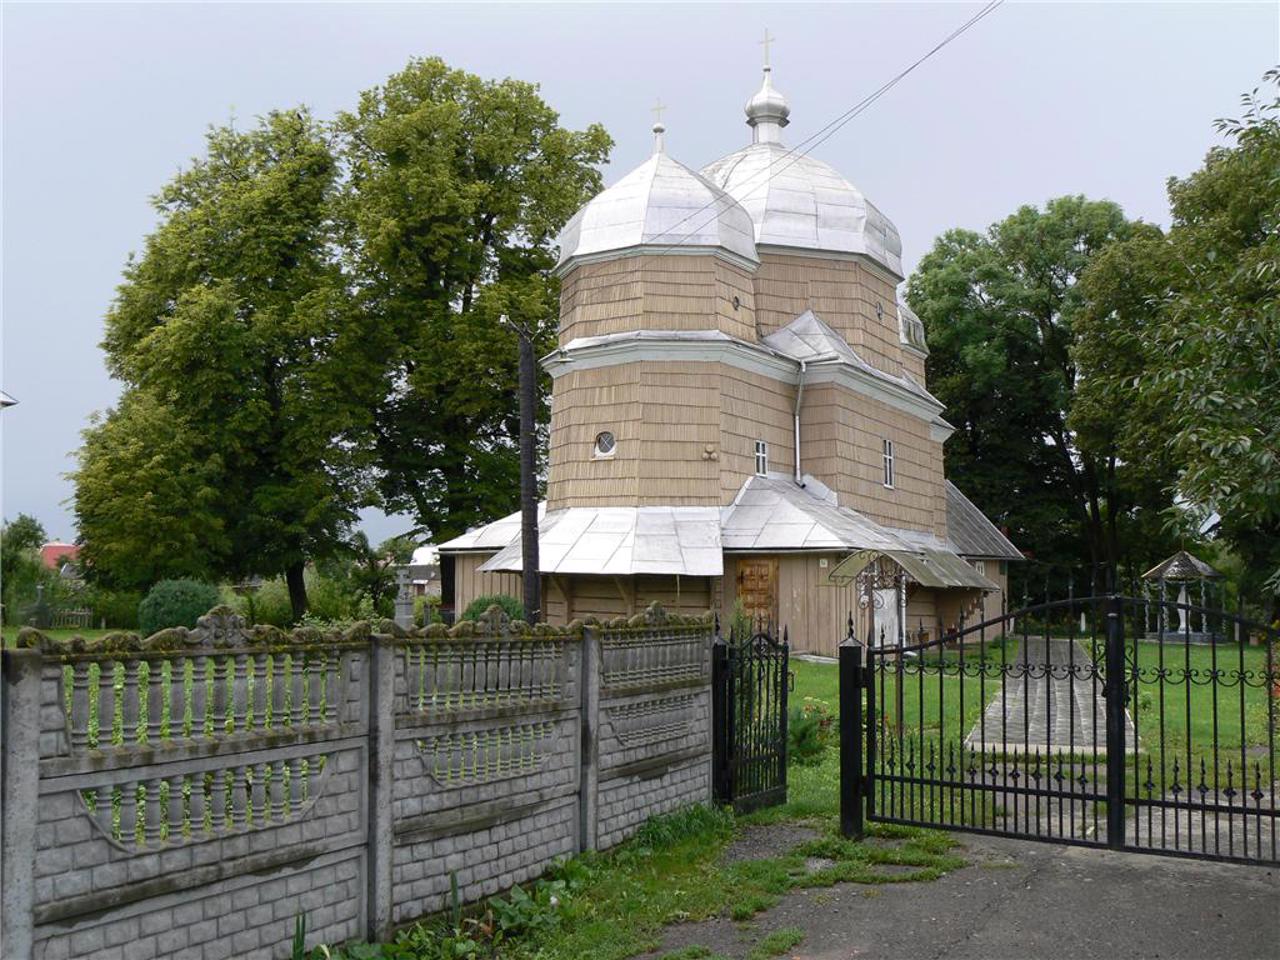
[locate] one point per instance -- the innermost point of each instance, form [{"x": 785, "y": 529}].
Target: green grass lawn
[{"x": 933, "y": 699}]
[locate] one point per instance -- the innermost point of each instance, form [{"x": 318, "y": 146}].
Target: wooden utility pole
[{"x": 531, "y": 576}]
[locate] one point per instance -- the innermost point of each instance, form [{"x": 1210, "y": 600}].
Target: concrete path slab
[{"x": 1051, "y": 700}]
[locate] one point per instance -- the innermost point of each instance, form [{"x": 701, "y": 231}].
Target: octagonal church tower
[{"x": 739, "y": 415}]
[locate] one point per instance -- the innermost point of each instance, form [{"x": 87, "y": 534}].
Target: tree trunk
[
  {"x": 528, "y": 482},
  {"x": 297, "y": 589}
]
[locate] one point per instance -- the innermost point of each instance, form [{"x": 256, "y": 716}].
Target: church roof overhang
[
  {"x": 714, "y": 346},
  {"x": 621, "y": 541},
  {"x": 657, "y": 249}
]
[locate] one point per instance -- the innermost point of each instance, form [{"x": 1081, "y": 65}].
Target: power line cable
[{"x": 822, "y": 135}]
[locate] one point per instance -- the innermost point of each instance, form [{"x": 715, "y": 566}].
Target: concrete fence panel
[{"x": 191, "y": 793}]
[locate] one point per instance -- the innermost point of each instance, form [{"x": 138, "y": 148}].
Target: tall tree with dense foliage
[
  {"x": 455, "y": 190},
  {"x": 1001, "y": 309},
  {"x": 1203, "y": 315},
  {"x": 249, "y": 383}
]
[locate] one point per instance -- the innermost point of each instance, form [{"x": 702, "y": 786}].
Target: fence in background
[{"x": 190, "y": 793}]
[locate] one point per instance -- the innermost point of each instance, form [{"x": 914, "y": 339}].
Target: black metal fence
[
  {"x": 750, "y": 681},
  {"x": 1131, "y": 723}
]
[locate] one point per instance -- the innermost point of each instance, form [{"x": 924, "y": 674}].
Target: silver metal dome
[
  {"x": 799, "y": 201},
  {"x": 658, "y": 206}
]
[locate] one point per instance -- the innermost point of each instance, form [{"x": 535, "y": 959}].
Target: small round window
[{"x": 605, "y": 444}]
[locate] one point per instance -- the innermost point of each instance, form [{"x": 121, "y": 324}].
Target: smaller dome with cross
[{"x": 661, "y": 206}]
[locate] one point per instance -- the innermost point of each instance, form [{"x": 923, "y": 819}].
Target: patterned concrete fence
[{"x": 189, "y": 794}]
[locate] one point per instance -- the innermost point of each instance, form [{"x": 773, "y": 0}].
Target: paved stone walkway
[{"x": 1051, "y": 700}]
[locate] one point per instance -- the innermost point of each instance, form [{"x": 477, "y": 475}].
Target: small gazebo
[{"x": 1170, "y": 617}]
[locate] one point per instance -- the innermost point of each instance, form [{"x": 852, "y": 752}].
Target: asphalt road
[{"x": 1028, "y": 900}]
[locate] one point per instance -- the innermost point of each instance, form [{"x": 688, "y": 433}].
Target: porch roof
[
  {"x": 771, "y": 513},
  {"x": 621, "y": 541}
]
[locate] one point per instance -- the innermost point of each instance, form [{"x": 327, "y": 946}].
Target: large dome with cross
[{"x": 796, "y": 201}]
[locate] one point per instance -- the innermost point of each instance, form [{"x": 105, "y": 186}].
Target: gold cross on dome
[
  {"x": 768, "y": 39},
  {"x": 657, "y": 109}
]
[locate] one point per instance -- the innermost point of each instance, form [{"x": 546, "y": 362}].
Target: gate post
[
  {"x": 720, "y": 787},
  {"x": 851, "y": 774},
  {"x": 20, "y": 676},
  {"x": 1115, "y": 696}
]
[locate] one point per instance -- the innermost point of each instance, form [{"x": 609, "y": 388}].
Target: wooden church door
[{"x": 758, "y": 588}]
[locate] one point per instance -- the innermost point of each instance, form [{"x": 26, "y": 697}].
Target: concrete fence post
[
  {"x": 382, "y": 728},
  {"x": 589, "y": 670},
  {"x": 20, "y": 783}
]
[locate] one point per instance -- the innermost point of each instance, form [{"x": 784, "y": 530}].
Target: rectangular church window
[
  {"x": 762, "y": 458},
  {"x": 888, "y": 463}
]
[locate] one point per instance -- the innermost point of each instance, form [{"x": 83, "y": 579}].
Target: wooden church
[{"x": 739, "y": 416}]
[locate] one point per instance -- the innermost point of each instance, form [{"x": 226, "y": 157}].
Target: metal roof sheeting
[
  {"x": 492, "y": 536},
  {"x": 770, "y": 513},
  {"x": 972, "y": 533},
  {"x": 622, "y": 541},
  {"x": 796, "y": 200},
  {"x": 661, "y": 203}
]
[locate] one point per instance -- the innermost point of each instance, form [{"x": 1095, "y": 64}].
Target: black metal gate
[
  {"x": 750, "y": 682},
  {"x": 1112, "y": 721}
]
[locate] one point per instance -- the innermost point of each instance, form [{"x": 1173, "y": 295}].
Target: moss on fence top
[{"x": 223, "y": 628}]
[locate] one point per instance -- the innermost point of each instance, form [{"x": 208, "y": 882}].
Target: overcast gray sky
[{"x": 102, "y": 103}]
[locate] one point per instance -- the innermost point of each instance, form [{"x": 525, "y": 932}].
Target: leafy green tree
[
  {"x": 147, "y": 498},
  {"x": 366, "y": 571},
  {"x": 1203, "y": 308},
  {"x": 455, "y": 190},
  {"x": 1001, "y": 311},
  {"x": 250, "y": 385},
  {"x": 20, "y": 567}
]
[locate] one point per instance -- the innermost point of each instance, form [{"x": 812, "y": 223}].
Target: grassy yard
[{"x": 934, "y": 700}]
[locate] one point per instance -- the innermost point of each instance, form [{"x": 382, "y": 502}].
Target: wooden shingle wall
[
  {"x": 648, "y": 292},
  {"x": 844, "y": 294},
  {"x": 686, "y": 433},
  {"x": 469, "y": 582},
  {"x": 584, "y": 403},
  {"x": 753, "y": 407},
  {"x": 679, "y": 434},
  {"x": 841, "y": 444}
]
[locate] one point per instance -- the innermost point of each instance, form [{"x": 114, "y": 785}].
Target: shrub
[
  {"x": 810, "y": 728},
  {"x": 426, "y": 609},
  {"x": 513, "y": 607},
  {"x": 114, "y": 608},
  {"x": 175, "y": 603},
  {"x": 330, "y": 600}
]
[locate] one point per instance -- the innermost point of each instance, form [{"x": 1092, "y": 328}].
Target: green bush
[
  {"x": 331, "y": 600},
  {"x": 114, "y": 608},
  {"x": 513, "y": 607},
  {"x": 426, "y": 609},
  {"x": 810, "y": 728},
  {"x": 175, "y": 603}
]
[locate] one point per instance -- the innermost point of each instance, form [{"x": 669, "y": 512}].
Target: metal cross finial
[
  {"x": 768, "y": 39},
  {"x": 657, "y": 109}
]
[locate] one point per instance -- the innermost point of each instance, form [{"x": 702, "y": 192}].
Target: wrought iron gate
[
  {"x": 1092, "y": 721},
  {"x": 750, "y": 682}
]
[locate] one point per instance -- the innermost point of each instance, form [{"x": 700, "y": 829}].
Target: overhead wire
[{"x": 822, "y": 135}]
